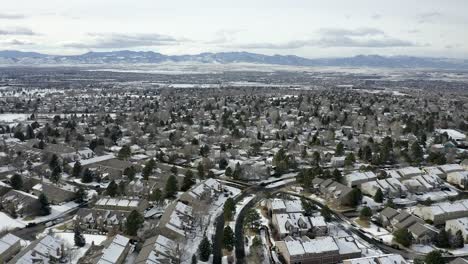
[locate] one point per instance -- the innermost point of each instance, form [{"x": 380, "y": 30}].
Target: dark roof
[{"x": 389, "y": 212}]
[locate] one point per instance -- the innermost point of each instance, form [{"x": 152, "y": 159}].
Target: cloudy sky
[{"x": 306, "y": 28}]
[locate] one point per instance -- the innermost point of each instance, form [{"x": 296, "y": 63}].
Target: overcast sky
[{"x": 306, "y": 28}]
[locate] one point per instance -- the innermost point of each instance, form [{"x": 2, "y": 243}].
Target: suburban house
[
  {"x": 45, "y": 250},
  {"x": 321, "y": 250},
  {"x": 10, "y": 245},
  {"x": 158, "y": 249}
]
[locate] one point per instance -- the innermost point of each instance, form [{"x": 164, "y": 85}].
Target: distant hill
[{"x": 13, "y": 57}]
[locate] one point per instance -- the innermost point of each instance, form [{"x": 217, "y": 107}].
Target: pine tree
[
  {"x": 79, "y": 238},
  {"x": 339, "y": 149},
  {"x": 201, "y": 170},
  {"x": 157, "y": 196},
  {"x": 434, "y": 257},
  {"x": 76, "y": 172},
  {"x": 229, "y": 209},
  {"x": 124, "y": 153},
  {"x": 326, "y": 213},
  {"x": 228, "y": 238},
  {"x": 45, "y": 206},
  {"x": 416, "y": 152},
  {"x": 365, "y": 213},
  {"x": 194, "y": 259},
  {"x": 81, "y": 195},
  {"x": 54, "y": 162},
  {"x": 188, "y": 181},
  {"x": 378, "y": 196},
  {"x": 56, "y": 175},
  {"x": 16, "y": 181},
  {"x": 403, "y": 236},
  {"x": 237, "y": 174},
  {"x": 130, "y": 173},
  {"x": 171, "y": 187},
  {"x": 87, "y": 176},
  {"x": 443, "y": 240},
  {"x": 134, "y": 222},
  {"x": 112, "y": 189},
  {"x": 204, "y": 249},
  {"x": 458, "y": 240},
  {"x": 337, "y": 175}
]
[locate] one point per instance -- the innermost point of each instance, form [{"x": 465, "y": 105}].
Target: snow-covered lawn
[
  {"x": 8, "y": 223},
  {"x": 9, "y": 118},
  {"x": 280, "y": 183},
  {"x": 56, "y": 211},
  {"x": 373, "y": 229},
  {"x": 77, "y": 253},
  {"x": 460, "y": 251},
  {"x": 209, "y": 221},
  {"x": 422, "y": 248}
]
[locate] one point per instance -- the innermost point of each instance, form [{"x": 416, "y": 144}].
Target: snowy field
[
  {"x": 10, "y": 118},
  {"x": 8, "y": 223},
  {"x": 77, "y": 253}
]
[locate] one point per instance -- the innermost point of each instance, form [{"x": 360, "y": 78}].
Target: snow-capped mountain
[{"x": 12, "y": 57}]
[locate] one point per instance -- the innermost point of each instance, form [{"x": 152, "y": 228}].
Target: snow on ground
[
  {"x": 69, "y": 239},
  {"x": 10, "y": 118},
  {"x": 460, "y": 251},
  {"x": 373, "y": 229},
  {"x": 56, "y": 211},
  {"x": 422, "y": 248},
  {"x": 284, "y": 176},
  {"x": 368, "y": 201},
  {"x": 8, "y": 223},
  {"x": 280, "y": 183},
  {"x": 209, "y": 221}
]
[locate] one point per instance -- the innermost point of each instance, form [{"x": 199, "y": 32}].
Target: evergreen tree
[
  {"x": 403, "y": 236},
  {"x": 458, "y": 240},
  {"x": 56, "y": 175},
  {"x": 252, "y": 219},
  {"x": 356, "y": 197},
  {"x": 308, "y": 207},
  {"x": 326, "y": 213},
  {"x": 223, "y": 164},
  {"x": 124, "y": 153},
  {"x": 134, "y": 222},
  {"x": 81, "y": 195},
  {"x": 112, "y": 189},
  {"x": 228, "y": 172},
  {"x": 443, "y": 239},
  {"x": 201, "y": 170},
  {"x": 337, "y": 175},
  {"x": 204, "y": 249},
  {"x": 45, "y": 206},
  {"x": 76, "y": 172},
  {"x": 416, "y": 152},
  {"x": 54, "y": 162},
  {"x": 157, "y": 196},
  {"x": 16, "y": 181},
  {"x": 378, "y": 196},
  {"x": 171, "y": 187},
  {"x": 237, "y": 173},
  {"x": 434, "y": 257},
  {"x": 80, "y": 240},
  {"x": 365, "y": 213},
  {"x": 228, "y": 238},
  {"x": 194, "y": 259},
  {"x": 349, "y": 159},
  {"x": 339, "y": 149},
  {"x": 229, "y": 209},
  {"x": 87, "y": 176},
  {"x": 130, "y": 172},
  {"x": 188, "y": 181},
  {"x": 19, "y": 135}
]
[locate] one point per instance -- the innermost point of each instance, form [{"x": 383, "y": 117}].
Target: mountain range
[{"x": 14, "y": 57}]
